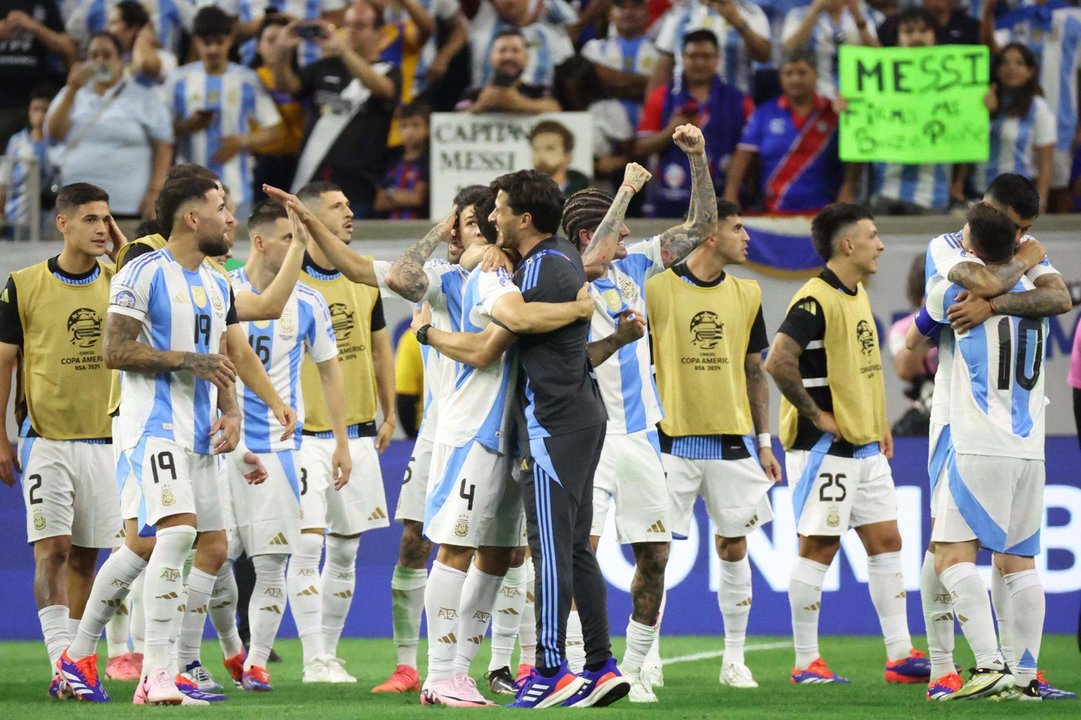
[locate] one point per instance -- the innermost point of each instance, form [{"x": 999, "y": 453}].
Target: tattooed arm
[
  {"x": 406, "y": 276},
  {"x": 758, "y": 395},
  {"x": 677, "y": 242},
  {"x": 602, "y": 247},
  {"x": 988, "y": 281},
  {"x": 1051, "y": 297},
  {"x": 122, "y": 351},
  {"x": 782, "y": 364}
]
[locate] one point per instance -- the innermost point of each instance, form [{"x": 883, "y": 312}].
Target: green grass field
[{"x": 691, "y": 689}]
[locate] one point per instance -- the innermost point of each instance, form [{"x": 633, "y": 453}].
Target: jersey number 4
[{"x": 1029, "y": 353}]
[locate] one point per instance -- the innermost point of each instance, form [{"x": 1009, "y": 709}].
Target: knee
[
  {"x": 211, "y": 550},
  {"x": 83, "y": 561},
  {"x": 819, "y": 549},
  {"x": 731, "y": 549},
  {"x": 494, "y": 560},
  {"x": 517, "y": 558},
  {"x": 342, "y": 551},
  {"x": 414, "y": 549},
  {"x": 51, "y": 554},
  {"x": 455, "y": 557},
  {"x": 651, "y": 559}
]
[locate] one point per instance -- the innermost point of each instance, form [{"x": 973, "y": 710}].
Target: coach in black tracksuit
[{"x": 565, "y": 419}]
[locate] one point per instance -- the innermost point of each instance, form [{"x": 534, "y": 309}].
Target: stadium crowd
[{"x": 286, "y": 92}]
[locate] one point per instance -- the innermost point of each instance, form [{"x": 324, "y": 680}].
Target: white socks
[
  {"x": 266, "y": 607},
  {"x": 138, "y": 617},
  {"x": 937, "y": 618},
  {"x": 575, "y": 649},
  {"x": 200, "y": 586},
  {"x": 507, "y": 616},
  {"x": 56, "y": 631},
  {"x": 1000, "y": 603},
  {"x": 639, "y": 641},
  {"x": 222, "y": 611},
  {"x": 111, "y": 586},
  {"x": 805, "y": 601},
  {"x": 407, "y": 603},
  {"x": 117, "y": 629},
  {"x": 339, "y": 581},
  {"x": 479, "y": 592},
  {"x": 1028, "y": 606},
  {"x": 886, "y": 583},
  {"x": 972, "y": 608},
  {"x": 305, "y": 600},
  {"x": 162, "y": 594},
  {"x": 527, "y": 630},
  {"x": 734, "y": 599},
  {"x": 442, "y": 597}
]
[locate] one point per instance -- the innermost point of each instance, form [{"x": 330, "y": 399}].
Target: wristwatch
[{"x": 422, "y": 334}]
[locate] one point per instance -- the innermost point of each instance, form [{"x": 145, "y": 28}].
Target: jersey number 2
[{"x": 1028, "y": 369}]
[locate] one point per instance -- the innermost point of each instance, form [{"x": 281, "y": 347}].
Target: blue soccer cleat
[
  {"x": 945, "y": 686},
  {"x": 915, "y": 668},
  {"x": 536, "y": 691},
  {"x": 256, "y": 680},
  {"x": 81, "y": 677},
  {"x": 189, "y": 688},
  {"x": 59, "y": 689},
  {"x": 817, "y": 673},
  {"x": 601, "y": 687},
  {"x": 1050, "y": 692}
]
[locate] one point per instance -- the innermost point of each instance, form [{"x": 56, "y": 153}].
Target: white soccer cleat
[
  {"x": 640, "y": 692},
  {"x": 653, "y": 670},
  {"x": 737, "y": 675},
  {"x": 336, "y": 670},
  {"x": 316, "y": 671}
]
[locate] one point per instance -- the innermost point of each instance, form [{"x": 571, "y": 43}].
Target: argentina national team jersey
[
  {"x": 626, "y": 380},
  {"x": 548, "y": 44},
  {"x": 1014, "y": 141},
  {"x": 825, "y": 41},
  {"x": 304, "y": 327},
  {"x": 182, "y": 311},
  {"x": 477, "y": 400},
  {"x": 238, "y": 100},
  {"x": 247, "y": 10},
  {"x": 926, "y": 185},
  {"x": 168, "y": 17},
  {"x": 440, "y": 10}
]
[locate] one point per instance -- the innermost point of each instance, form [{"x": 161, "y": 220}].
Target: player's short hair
[
  {"x": 415, "y": 109},
  {"x": 175, "y": 193},
  {"x": 509, "y": 32},
  {"x": 916, "y": 14},
  {"x": 212, "y": 21},
  {"x": 801, "y": 55},
  {"x": 829, "y": 223},
  {"x": 697, "y": 36},
  {"x": 316, "y": 190},
  {"x": 726, "y": 209},
  {"x": 482, "y": 199},
  {"x": 991, "y": 234},
  {"x": 187, "y": 170},
  {"x": 76, "y": 194},
  {"x": 265, "y": 213},
  {"x": 1016, "y": 192},
  {"x": 584, "y": 210},
  {"x": 106, "y": 35},
  {"x": 132, "y": 13},
  {"x": 555, "y": 128},
  {"x": 533, "y": 192}
]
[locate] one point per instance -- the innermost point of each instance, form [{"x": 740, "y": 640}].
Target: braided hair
[{"x": 584, "y": 210}]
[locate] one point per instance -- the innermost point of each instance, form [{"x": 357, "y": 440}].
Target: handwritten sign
[
  {"x": 914, "y": 105},
  {"x": 469, "y": 149}
]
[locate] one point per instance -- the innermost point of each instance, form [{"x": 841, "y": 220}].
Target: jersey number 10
[{"x": 1029, "y": 338}]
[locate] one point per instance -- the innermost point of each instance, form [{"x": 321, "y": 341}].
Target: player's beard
[{"x": 214, "y": 246}]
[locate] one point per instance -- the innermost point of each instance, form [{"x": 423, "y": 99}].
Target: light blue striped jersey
[
  {"x": 168, "y": 17},
  {"x": 24, "y": 157},
  {"x": 1013, "y": 144},
  {"x": 549, "y": 44}
]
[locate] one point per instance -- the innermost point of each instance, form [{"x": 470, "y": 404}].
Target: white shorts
[
  {"x": 833, "y": 494},
  {"x": 631, "y": 475},
  {"x": 736, "y": 493},
  {"x": 232, "y": 536},
  {"x": 359, "y": 506},
  {"x": 473, "y": 500},
  {"x": 268, "y": 514},
  {"x": 996, "y": 500},
  {"x": 165, "y": 479},
  {"x": 1060, "y": 169},
  {"x": 69, "y": 489},
  {"x": 415, "y": 483},
  {"x": 939, "y": 445}
]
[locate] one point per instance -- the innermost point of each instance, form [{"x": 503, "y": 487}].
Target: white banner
[{"x": 469, "y": 149}]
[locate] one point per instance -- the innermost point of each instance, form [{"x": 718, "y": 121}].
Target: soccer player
[
  {"x": 708, "y": 337},
  {"x": 837, "y": 441},
  {"x": 50, "y": 327},
  {"x": 992, "y": 495},
  {"x": 268, "y": 515},
  {"x": 630, "y": 471},
  {"x": 166, "y": 325}
]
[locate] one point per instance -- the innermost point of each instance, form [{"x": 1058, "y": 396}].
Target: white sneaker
[
  {"x": 737, "y": 675},
  {"x": 640, "y": 692},
  {"x": 653, "y": 671},
  {"x": 336, "y": 670},
  {"x": 316, "y": 671}
]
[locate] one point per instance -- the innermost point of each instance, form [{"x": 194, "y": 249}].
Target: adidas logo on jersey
[
  {"x": 222, "y": 604},
  {"x": 477, "y": 639},
  {"x": 272, "y": 609},
  {"x": 378, "y": 514},
  {"x": 309, "y": 591},
  {"x": 745, "y": 602},
  {"x": 279, "y": 539},
  {"x": 199, "y": 610},
  {"x": 168, "y": 596},
  {"x": 657, "y": 527},
  {"x": 813, "y": 607},
  {"x": 509, "y": 611},
  {"x": 448, "y": 639},
  {"x": 344, "y": 594},
  {"x": 753, "y": 522}
]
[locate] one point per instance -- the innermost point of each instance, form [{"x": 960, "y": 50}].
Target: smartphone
[
  {"x": 309, "y": 31},
  {"x": 502, "y": 79}
]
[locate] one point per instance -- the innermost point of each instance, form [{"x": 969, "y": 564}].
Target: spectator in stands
[
  {"x": 823, "y": 26},
  {"x": 402, "y": 40},
  {"x": 795, "y": 139},
  {"x": 952, "y": 25},
  {"x": 507, "y": 90},
  {"x": 352, "y": 95},
  {"x": 435, "y": 56},
  {"x": 552, "y": 145},
  {"x": 404, "y": 194},
  {"x": 251, "y": 13},
  {"x": 879, "y": 11},
  {"x": 547, "y": 40},
  {"x": 276, "y": 163},
  {"x": 171, "y": 19},
  {"x": 409, "y": 383},
  {"x": 115, "y": 133},
  {"x": 27, "y": 46},
  {"x": 221, "y": 110},
  {"x": 915, "y": 367},
  {"x": 1053, "y": 33},
  {"x": 25, "y": 156},
  {"x": 1023, "y": 132},
  {"x": 699, "y": 97},
  {"x": 743, "y": 37},
  {"x": 898, "y": 189},
  {"x": 130, "y": 23}
]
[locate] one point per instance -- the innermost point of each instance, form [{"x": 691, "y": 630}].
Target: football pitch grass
[{"x": 691, "y": 689}]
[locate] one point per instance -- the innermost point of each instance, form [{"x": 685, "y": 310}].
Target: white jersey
[
  {"x": 1013, "y": 144},
  {"x": 304, "y": 327},
  {"x": 247, "y": 10},
  {"x": 182, "y": 311},
  {"x": 446, "y": 283},
  {"x": 996, "y": 392},
  {"x": 549, "y": 44},
  {"x": 476, "y": 404},
  {"x": 626, "y": 379},
  {"x": 168, "y": 18},
  {"x": 238, "y": 100},
  {"x": 734, "y": 66},
  {"x": 825, "y": 41},
  {"x": 926, "y": 185}
]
